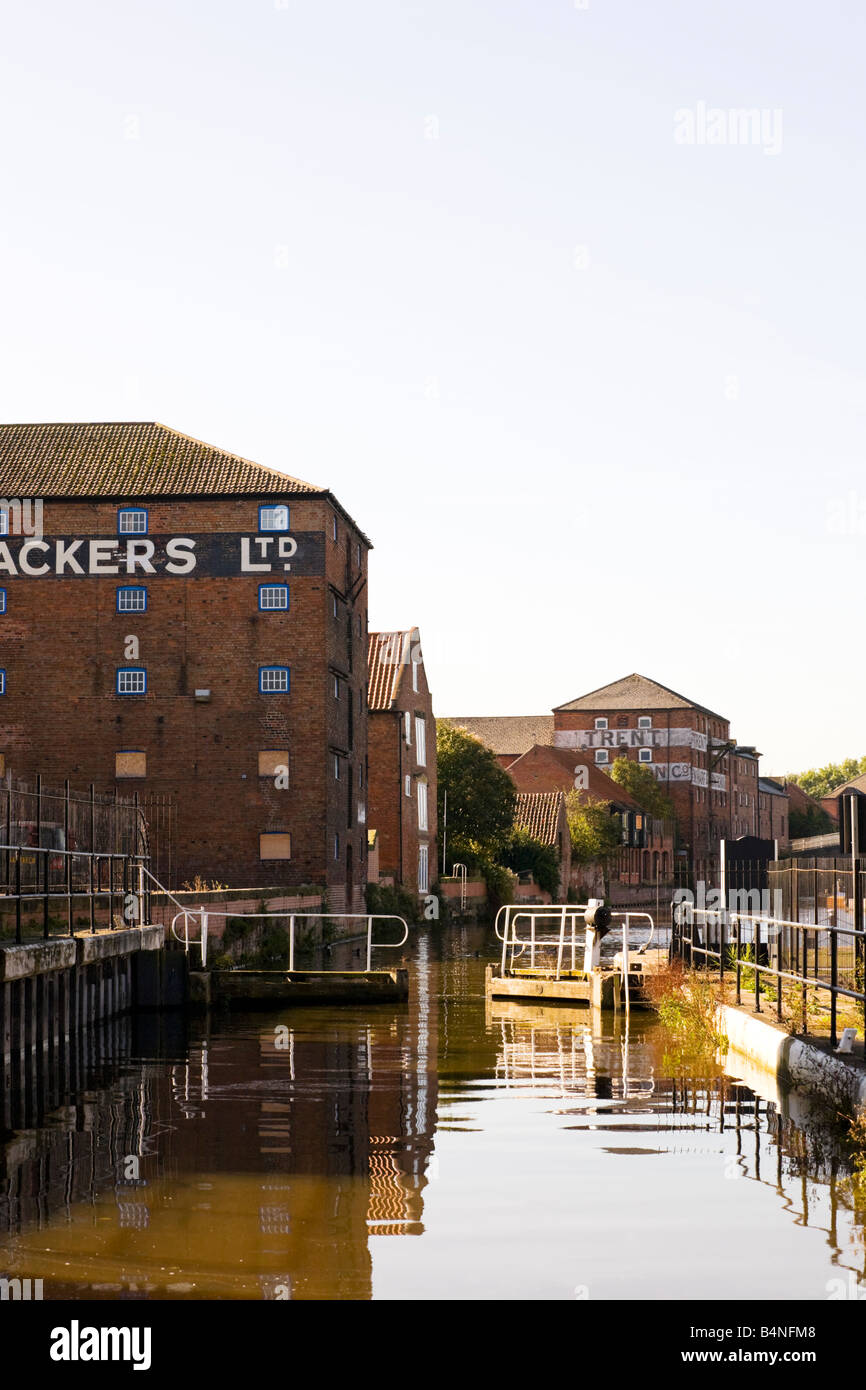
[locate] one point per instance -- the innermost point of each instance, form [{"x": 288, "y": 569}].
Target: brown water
[{"x": 445, "y": 1149}]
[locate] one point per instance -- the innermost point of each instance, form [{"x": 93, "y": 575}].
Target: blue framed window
[
  {"x": 132, "y": 598},
  {"x": 274, "y": 680},
  {"x": 131, "y": 680},
  {"x": 274, "y": 517},
  {"x": 2, "y": 600},
  {"x": 132, "y": 521},
  {"x": 273, "y": 597},
  {"x": 2, "y": 682}
]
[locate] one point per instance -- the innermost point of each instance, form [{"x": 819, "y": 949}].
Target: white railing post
[
  {"x": 561, "y": 945},
  {"x": 369, "y": 943},
  {"x": 625, "y": 959},
  {"x": 292, "y": 942}
]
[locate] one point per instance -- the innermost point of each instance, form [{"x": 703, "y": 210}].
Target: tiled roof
[
  {"x": 635, "y": 692},
  {"x": 123, "y": 459},
  {"x": 562, "y": 763},
  {"x": 857, "y": 784},
  {"x": 507, "y": 733},
  {"x": 388, "y": 655},
  {"x": 539, "y": 814}
]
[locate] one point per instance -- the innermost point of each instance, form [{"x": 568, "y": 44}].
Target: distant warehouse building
[
  {"x": 179, "y": 619},
  {"x": 403, "y": 787}
]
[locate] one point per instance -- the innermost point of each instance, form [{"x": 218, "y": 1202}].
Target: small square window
[
  {"x": 275, "y": 845},
  {"x": 130, "y": 762},
  {"x": 2, "y": 600},
  {"x": 336, "y": 687},
  {"x": 274, "y": 518},
  {"x": 2, "y": 682},
  {"x": 334, "y": 526},
  {"x": 336, "y": 767},
  {"x": 601, "y": 755},
  {"x": 336, "y": 846},
  {"x": 132, "y": 598},
  {"x": 131, "y": 680},
  {"x": 407, "y": 784},
  {"x": 4, "y": 523},
  {"x": 357, "y": 557},
  {"x": 644, "y": 755},
  {"x": 644, "y": 722},
  {"x": 274, "y": 680},
  {"x": 334, "y": 601},
  {"x": 132, "y": 521},
  {"x": 601, "y": 723},
  {"x": 274, "y": 762},
  {"x": 273, "y": 597}
]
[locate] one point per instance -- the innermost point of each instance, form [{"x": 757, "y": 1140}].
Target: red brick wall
[
  {"x": 391, "y": 812},
  {"x": 703, "y": 814},
  {"x": 61, "y": 640}
]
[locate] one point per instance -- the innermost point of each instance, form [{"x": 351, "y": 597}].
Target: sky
[{"x": 578, "y": 348}]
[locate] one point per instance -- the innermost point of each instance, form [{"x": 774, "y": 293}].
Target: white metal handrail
[
  {"x": 564, "y": 914},
  {"x": 370, "y": 917}
]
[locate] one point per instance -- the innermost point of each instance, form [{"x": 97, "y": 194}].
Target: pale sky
[{"x": 596, "y": 394}]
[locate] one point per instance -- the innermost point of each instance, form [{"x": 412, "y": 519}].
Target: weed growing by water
[{"x": 687, "y": 1004}]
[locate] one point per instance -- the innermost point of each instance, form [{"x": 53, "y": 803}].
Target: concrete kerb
[
  {"x": 18, "y": 962},
  {"x": 795, "y": 1061}
]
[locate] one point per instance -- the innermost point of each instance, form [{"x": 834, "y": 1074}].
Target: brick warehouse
[
  {"x": 182, "y": 620},
  {"x": 712, "y": 782},
  {"x": 403, "y": 783}
]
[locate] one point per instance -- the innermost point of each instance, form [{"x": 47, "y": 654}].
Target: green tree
[
  {"x": 525, "y": 854},
  {"x": 481, "y": 797},
  {"x": 813, "y": 821},
  {"x": 642, "y": 785},
  {"x": 822, "y": 781},
  {"x": 596, "y": 833}
]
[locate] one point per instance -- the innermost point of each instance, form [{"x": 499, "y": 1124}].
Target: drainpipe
[{"x": 400, "y": 746}]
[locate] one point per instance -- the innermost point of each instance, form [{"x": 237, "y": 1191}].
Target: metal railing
[
  {"x": 39, "y": 877},
  {"x": 826, "y": 956},
  {"x": 540, "y": 943},
  {"x": 204, "y": 914}
]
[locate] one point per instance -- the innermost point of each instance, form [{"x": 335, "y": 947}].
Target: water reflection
[{"x": 281, "y": 1156}]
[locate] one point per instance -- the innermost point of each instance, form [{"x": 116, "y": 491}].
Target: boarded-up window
[
  {"x": 275, "y": 846},
  {"x": 274, "y": 762},
  {"x": 2, "y": 764},
  {"x": 130, "y": 763}
]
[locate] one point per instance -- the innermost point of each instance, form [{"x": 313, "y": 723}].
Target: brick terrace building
[
  {"x": 686, "y": 745},
  {"x": 190, "y": 623},
  {"x": 546, "y": 768},
  {"x": 772, "y": 811},
  {"x": 402, "y": 733}
]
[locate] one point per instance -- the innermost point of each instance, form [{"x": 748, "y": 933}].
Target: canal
[{"x": 448, "y": 1148}]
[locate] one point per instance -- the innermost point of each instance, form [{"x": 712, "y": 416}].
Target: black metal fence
[
  {"x": 804, "y": 932},
  {"x": 68, "y": 859}
]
